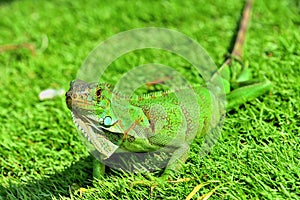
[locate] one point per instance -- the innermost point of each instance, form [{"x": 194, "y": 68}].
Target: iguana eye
[
  {"x": 98, "y": 92},
  {"x": 107, "y": 121}
]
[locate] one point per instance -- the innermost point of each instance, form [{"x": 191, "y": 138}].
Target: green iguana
[{"x": 150, "y": 129}]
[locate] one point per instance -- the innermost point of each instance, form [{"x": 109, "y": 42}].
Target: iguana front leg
[{"x": 98, "y": 168}]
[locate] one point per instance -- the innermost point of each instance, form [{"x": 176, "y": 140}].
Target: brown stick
[
  {"x": 237, "y": 51},
  {"x": 17, "y": 46},
  {"x": 240, "y": 40}
]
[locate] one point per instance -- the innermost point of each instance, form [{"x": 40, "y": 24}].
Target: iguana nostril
[
  {"x": 74, "y": 95},
  {"x": 68, "y": 94}
]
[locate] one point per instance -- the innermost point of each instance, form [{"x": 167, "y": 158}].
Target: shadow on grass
[
  {"x": 5, "y": 2},
  {"x": 77, "y": 175}
]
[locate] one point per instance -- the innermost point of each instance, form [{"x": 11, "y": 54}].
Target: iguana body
[
  {"x": 149, "y": 129},
  {"x": 145, "y": 129}
]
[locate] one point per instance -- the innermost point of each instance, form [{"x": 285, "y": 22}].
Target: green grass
[{"x": 41, "y": 155}]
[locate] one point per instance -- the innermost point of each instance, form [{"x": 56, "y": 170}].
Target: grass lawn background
[{"x": 41, "y": 155}]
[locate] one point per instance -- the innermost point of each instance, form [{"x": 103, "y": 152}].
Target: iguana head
[
  {"x": 95, "y": 98},
  {"x": 92, "y": 99},
  {"x": 90, "y": 107},
  {"x": 79, "y": 95}
]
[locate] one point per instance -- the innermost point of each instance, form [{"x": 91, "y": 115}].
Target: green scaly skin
[{"x": 146, "y": 130}]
